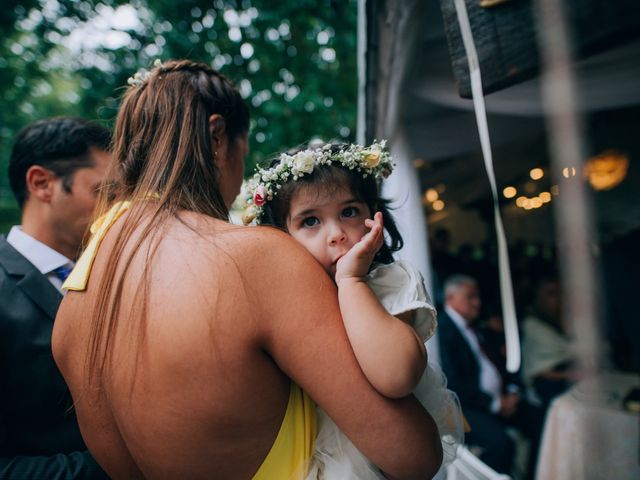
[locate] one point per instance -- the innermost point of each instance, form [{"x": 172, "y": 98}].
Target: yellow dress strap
[
  {"x": 79, "y": 276},
  {"x": 292, "y": 448}
]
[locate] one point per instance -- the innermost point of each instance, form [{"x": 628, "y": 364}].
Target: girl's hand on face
[{"x": 356, "y": 262}]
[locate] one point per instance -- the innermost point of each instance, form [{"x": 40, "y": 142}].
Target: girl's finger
[
  {"x": 379, "y": 239},
  {"x": 377, "y": 220},
  {"x": 369, "y": 239},
  {"x": 374, "y": 242}
]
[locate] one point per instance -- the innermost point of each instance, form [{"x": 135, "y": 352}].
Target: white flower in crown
[{"x": 303, "y": 162}]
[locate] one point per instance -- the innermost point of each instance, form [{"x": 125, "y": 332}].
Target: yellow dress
[{"x": 292, "y": 448}]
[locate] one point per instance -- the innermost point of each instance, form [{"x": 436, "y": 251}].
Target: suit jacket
[
  {"x": 39, "y": 434},
  {"x": 460, "y": 365}
]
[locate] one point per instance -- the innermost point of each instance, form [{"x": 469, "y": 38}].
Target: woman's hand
[{"x": 356, "y": 262}]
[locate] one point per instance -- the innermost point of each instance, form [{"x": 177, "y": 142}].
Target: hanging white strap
[{"x": 506, "y": 289}]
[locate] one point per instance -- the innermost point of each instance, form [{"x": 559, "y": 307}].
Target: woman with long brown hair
[{"x": 193, "y": 347}]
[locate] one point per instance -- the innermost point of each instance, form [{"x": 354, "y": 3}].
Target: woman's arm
[
  {"x": 389, "y": 350},
  {"x": 303, "y": 332}
]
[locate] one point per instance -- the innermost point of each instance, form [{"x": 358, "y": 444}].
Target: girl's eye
[
  {"x": 350, "y": 212},
  {"x": 310, "y": 222}
]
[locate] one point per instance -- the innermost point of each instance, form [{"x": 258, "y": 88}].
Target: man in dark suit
[
  {"x": 55, "y": 169},
  {"x": 490, "y": 398}
]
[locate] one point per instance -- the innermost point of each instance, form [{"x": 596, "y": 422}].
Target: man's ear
[
  {"x": 217, "y": 126},
  {"x": 39, "y": 181}
]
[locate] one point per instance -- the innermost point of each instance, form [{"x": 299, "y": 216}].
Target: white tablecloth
[{"x": 589, "y": 436}]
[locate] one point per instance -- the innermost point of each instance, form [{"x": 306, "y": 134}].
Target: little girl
[{"x": 327, "y": 199}]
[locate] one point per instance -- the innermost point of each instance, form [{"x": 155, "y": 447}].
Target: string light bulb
[
  {"x": 536, "y": 173},
  {"x": 431, "y": 195},
  {"x": 509, "y": 192}
]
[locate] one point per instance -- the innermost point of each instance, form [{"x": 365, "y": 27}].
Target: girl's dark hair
[{"x": 328, "y": 177}]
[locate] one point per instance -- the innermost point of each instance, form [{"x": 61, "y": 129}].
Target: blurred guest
[
  {"x": 55, "y": 169},
  {"x": 493, "y": 339},
  {"x": 472, "y": 263},
  {"x": 443, "y": 261},
  {"x": 490, "y": 398},
  {"x": 547, "y": 350}
]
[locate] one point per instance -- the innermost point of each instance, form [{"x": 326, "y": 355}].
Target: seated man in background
[
  {"x": 55, "y": 169},
  {"x": 490, "y": 398}
]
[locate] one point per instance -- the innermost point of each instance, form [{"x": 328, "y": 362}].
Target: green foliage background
[{"x": 295, "y": 63}]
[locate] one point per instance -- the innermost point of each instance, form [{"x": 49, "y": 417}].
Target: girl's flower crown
[{"x": 264, "y": 185}]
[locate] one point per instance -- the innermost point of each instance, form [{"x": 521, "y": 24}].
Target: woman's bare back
[
  {"x": 233, "y": 313},
  {"x": 204, "y": 399}
]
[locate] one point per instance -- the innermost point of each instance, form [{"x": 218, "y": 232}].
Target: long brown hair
[{"x": 162, "y": 147}]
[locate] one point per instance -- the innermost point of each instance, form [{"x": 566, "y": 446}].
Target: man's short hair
[
  {"x": 454, "y": 282},
  {"x": 59, "y": 144}
]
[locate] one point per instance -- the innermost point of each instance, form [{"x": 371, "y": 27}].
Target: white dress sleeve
[{"x": 400, "y": 288}]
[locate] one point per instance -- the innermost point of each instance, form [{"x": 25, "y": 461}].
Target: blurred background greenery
[{"x": 294, "y": 63}]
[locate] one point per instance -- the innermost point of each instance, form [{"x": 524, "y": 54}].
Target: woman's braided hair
[{"x": 163, "y": 127}]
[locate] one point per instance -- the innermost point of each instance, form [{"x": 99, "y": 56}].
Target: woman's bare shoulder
[
  {"x": 274, "y": 256},
  {"x": 264, "y": 251},
  {"x": 243, "y": 236},
  {"x": 262, "y": 245}
]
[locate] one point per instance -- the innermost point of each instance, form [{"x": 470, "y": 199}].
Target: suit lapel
[
  {"x": 41, "y": 292},
  {"x": 465, "y": 348},
  {"x": 33, "y": 283}
]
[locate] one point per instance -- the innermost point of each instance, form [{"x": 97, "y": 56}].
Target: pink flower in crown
[{"x": 260, "y": 196}]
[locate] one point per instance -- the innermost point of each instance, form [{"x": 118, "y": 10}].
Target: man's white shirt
[
  {"x": 43, "y": 257},
  {"x": 490, "y": 379}
]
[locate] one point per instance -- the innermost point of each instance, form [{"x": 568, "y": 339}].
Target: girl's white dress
[{"x": 399, "y": 288}]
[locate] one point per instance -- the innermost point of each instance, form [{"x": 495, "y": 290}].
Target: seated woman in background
[{"x": 547, "y": 349}]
